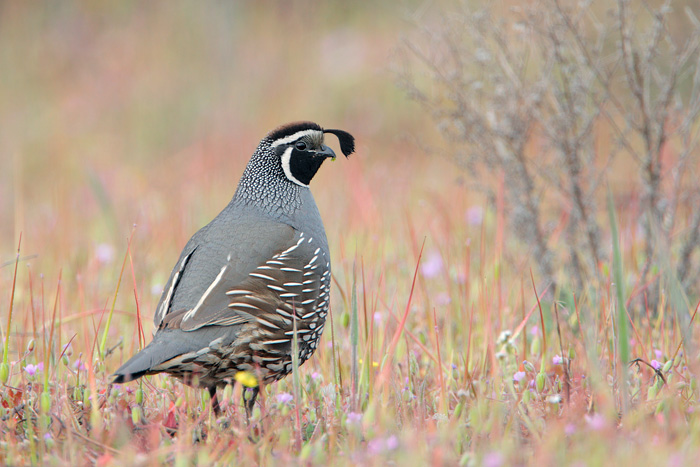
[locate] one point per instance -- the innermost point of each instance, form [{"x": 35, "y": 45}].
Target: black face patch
[{"x": 304, "y": 164}]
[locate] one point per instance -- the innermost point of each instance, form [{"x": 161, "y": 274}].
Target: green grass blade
[
  {"x": 622, "y": 331},
  {"x": 354, "y": 336}
]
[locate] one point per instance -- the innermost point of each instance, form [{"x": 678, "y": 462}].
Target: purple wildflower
[
  {"x": 284, "y": 397},
  {"x": 375, "y": 446},
  {"x": 33, "y": 369},
  {"x": 354, "y": 418},
  {"x": 461, "y": 277},
  {"x": 557, "y": 360},
  {"x": 79, "y": 365},
  {"x": 379, "y": 445},
  {"x": 475, "y": 215},
  {"x": 442, "y": 299},
  {"x": 104, "y": 253},
  {"x": 596, "y": 421},
  {"x": 432, "y": 266},
  {"x": 518, "y": 376},
  {"x": 656, "y": 364},
  {"x": 493, "y": 459},
  {"x": 676, "y": 459},
  {"x": 67, "y": 349}
]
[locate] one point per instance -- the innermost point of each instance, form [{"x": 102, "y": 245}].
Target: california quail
[{"x": 243, "y": 280}]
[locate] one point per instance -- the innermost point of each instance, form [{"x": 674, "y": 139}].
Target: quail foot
[{"x": 253, "y": 278}]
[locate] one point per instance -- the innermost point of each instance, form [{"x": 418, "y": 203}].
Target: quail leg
[
  {"x": 214, "y": 401},
  {"x": 249, "y": 397}
]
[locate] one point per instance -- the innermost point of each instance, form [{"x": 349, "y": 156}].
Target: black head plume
[{"x": 347, "y": 141}]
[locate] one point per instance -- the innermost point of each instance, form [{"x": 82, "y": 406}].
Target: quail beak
[{"x": 326, "y": 152}]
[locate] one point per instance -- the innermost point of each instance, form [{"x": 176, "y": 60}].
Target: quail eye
[{"x": 300, "y": 145}]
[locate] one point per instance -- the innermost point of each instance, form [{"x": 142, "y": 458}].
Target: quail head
[{"x": 253, "y": 278}]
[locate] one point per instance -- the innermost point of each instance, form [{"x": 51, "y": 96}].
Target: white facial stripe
[
  {"x": 287, "y": 169},
  {"x": 294, "y": 137}
]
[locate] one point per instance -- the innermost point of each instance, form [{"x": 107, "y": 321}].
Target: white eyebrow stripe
[{"x": 294, "y": 137}]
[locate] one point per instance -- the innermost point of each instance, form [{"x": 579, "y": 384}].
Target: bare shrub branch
[{"x": 528, "y": 94}]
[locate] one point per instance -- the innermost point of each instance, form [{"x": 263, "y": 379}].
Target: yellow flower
[
  {"x": 374, "y": 364},
  {"x": 247, "y": 379}
]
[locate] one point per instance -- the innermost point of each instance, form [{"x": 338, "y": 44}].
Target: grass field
[{"x": 124, "y": 128}]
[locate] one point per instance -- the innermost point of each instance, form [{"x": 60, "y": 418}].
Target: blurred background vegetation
[
  {"x": 110, "y": 112},
  {"x": 124, "y": 113},
  {"x": 137, "y": 118}
]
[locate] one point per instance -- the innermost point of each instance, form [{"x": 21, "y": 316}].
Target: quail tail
[
  {"x": 160, "y": 350},
  {"x": 136, "y": 367}
]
